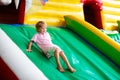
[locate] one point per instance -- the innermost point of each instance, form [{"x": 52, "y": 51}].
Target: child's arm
[{"x": 29, "y": 46}]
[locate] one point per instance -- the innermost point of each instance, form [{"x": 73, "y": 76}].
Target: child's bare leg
[
  {"x": 56, "y": 53},
  {"x": 66, "y": 61}
]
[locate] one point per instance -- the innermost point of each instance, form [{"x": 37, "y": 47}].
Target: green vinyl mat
[{"x": 89, "y": 63}]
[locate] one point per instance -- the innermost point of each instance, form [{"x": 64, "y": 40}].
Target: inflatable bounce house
[{"x": 86, "y": 30}]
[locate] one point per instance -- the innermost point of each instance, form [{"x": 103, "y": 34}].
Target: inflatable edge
[
  {"x": 17, "y": 61},
  {"x": 95, "y": 37}
]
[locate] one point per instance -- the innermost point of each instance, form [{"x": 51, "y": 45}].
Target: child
[{"x": 43, "y": 40}]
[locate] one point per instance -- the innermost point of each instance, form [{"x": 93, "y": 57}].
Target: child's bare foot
[
  {"x": 71, "y": 69},
  {"x": 60, "y": 69}
]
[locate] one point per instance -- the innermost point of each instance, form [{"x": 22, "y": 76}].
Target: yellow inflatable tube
[
  {"x": 66, "y": 1},
  {"x": 111, "y": 10},
  {"x": 111, "y": 3},
  {"x": 64, "y": 7}
]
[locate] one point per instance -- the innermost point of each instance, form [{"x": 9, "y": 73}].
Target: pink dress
[{"x": 45, "y": 43}]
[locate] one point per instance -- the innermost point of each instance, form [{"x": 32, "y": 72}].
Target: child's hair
[{"x": 39, "y": 24}]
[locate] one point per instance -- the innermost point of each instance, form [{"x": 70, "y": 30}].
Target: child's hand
[{"x": 28, "y": 50}]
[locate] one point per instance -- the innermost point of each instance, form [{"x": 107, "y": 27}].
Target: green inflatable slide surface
[{"x": 89, "y": 63}]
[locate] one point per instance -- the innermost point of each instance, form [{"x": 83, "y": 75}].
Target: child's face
[{"x": 42, "y": 29}]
